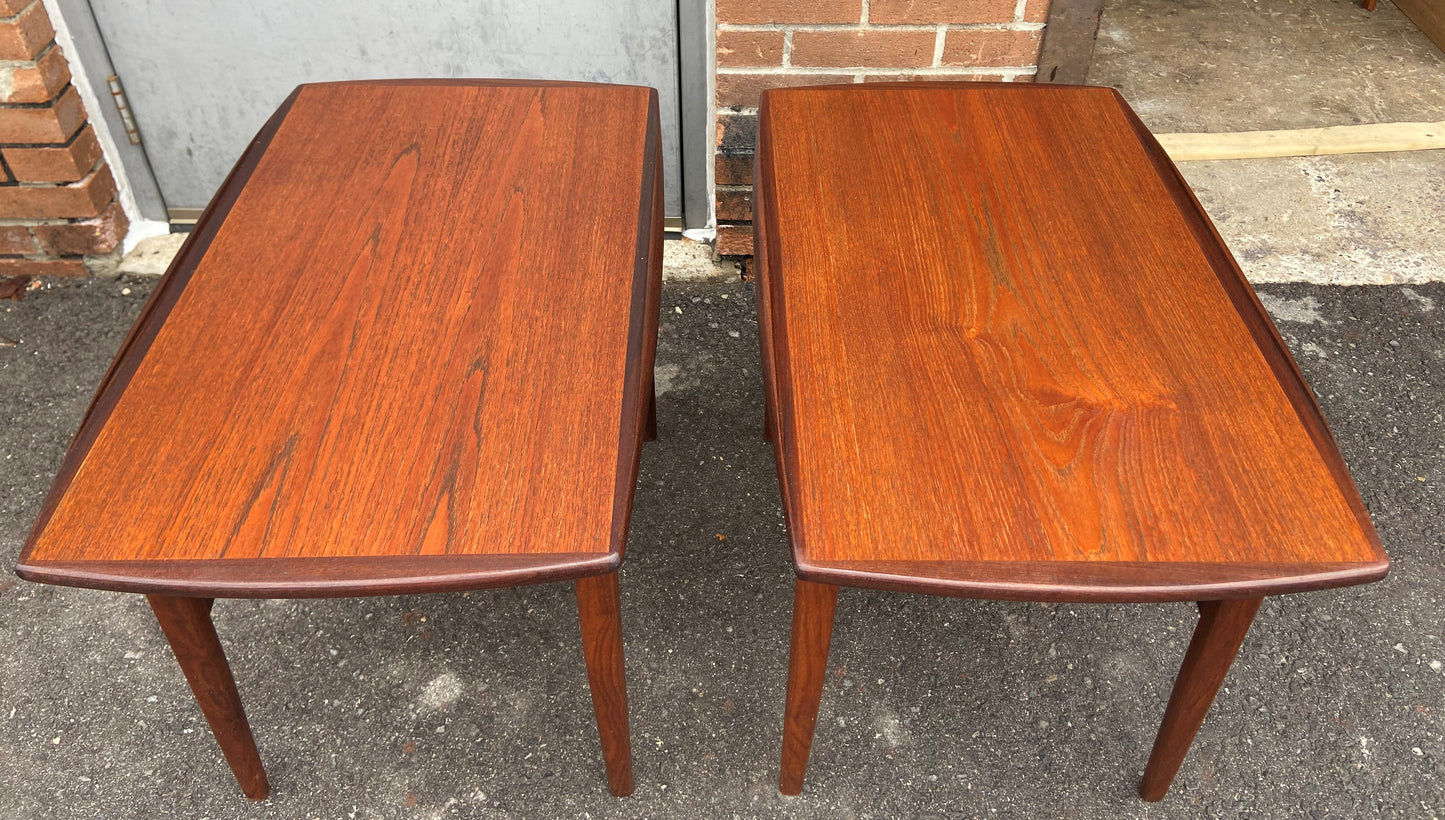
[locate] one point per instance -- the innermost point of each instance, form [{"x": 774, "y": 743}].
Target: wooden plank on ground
[{"x": 1306, "y": 142}]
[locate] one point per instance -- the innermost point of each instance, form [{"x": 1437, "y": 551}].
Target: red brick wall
[
  {"x": 58, "y": 211},
  {"x": 777, "y": 43}
]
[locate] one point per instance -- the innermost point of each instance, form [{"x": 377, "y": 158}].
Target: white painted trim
[
  {"x": 707, "y": 234},
  {"x": 711, "y": 26},
  {"x": 140, "y": 227}
]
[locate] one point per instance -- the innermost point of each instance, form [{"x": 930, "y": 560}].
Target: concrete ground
[
  {"x": 1250, "y": 65},
  {"x": 475, "y": 705}
]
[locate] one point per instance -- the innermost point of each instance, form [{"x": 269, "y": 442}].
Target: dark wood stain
[
  {"x": 187, "y": 625},
  {"x": 813, "y": 608},
  {"x": 599, "y": 609},
  {"x": 1221, "y": 629}
]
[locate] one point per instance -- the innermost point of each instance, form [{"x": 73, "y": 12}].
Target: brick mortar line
[
  {"x": 1008, "y": 74},
  {"x": 863, "y": 18},
  {"x": 872, "y": 70},
  {"x": 5, "y": 146},
  {"x": 12, "y": 17},
  {"x": 820, "y": 27},
  {"x": 45, "y": 257},
  {"x": 788, "y": 49},
  {"x": 46, "y": 221},
  {"x": 18, "y": 183},
  {"x": 45, "y": 186},
  {"x": 100, "y": 163},
  {"x": 1020, "y": 9},
  {"x": 791, "y": 27},
  {"x": 40, "y": 106},
  {"x": 938, "y": 45},
  {"x": 20, "y": 65}
]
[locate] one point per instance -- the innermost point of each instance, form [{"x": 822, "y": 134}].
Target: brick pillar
[
  {"x": 58, "y": 211},
  {"x": 777, "y": 43}
]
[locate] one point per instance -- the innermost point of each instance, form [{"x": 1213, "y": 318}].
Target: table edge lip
[
  {"x": 641, "y": 340},
  {"x": 1138, "y": 582},
  {"x": 1240, "y": 293},
  {"x": 322, "y": 576}
]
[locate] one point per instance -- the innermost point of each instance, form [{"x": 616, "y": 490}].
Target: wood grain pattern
[
  {"x": 417, "y": 321},
  {"x": 187, "y": 625},
  {"x": 1027, "y": 345},
  {"x": 1217, "y": 637}
]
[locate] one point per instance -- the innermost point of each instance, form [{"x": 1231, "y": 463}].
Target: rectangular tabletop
[
  {"x": 1008, "y": 356},
  {"x": 404, "y": 349}
]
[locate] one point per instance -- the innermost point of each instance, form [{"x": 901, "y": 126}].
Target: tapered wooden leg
[
  {"x": 813, "y": 607},
  {"x": 187, "y": 625},
  {"x": 600, "y": 609},
  {"x": 649, "y": 430},
  {"x": 1369, "y": 5},
  {"x": 1221, "y": 629}
]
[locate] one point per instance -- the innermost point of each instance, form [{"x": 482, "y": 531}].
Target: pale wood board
[{"x": 1306, "y": 142}]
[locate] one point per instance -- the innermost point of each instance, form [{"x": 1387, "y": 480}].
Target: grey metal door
[{"x": 203, "y": 75}]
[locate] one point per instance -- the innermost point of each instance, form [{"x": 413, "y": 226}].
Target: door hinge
[{"x": 127, "y": 119}]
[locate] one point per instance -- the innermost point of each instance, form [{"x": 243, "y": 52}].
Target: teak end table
[
  {"x": 1008, "y": 356},
  {"x": 408, "y": 348}
]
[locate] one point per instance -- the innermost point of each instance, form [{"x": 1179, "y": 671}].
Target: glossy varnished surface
[
  {"x": 1008, "y": 356},
  {"x": 408, "y": 340}
]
